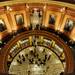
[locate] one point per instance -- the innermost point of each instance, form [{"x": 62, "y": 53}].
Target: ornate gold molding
[{"x": 72, "y": 6}]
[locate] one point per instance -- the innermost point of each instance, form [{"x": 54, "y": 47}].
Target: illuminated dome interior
[{"x": 37, "y": 38}]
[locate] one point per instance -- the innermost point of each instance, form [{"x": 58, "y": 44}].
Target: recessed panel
[
  {"x": 19, "y": 19},
  {"x": 2, "y": 25},
  {"x": 69, "y": 25},
  {"x": 52, "y": 19}
]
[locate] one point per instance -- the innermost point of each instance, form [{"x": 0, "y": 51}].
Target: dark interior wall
[
  {"x": 3, "y": 0},
  {"x": 68, "y": 1}
]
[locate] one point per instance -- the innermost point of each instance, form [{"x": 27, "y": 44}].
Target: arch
[{"x": 67, "y": 50}]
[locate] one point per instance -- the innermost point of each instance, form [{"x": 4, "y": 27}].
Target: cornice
[{"x": 72, "y": 6}]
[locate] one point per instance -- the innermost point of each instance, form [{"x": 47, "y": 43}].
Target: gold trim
[{"x": 72, "y": 6}]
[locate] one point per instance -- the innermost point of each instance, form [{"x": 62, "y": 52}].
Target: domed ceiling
[{"x": 37, "y": 37}]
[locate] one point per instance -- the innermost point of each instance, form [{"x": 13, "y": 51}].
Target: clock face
[{"x": 41, "y": 57}]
